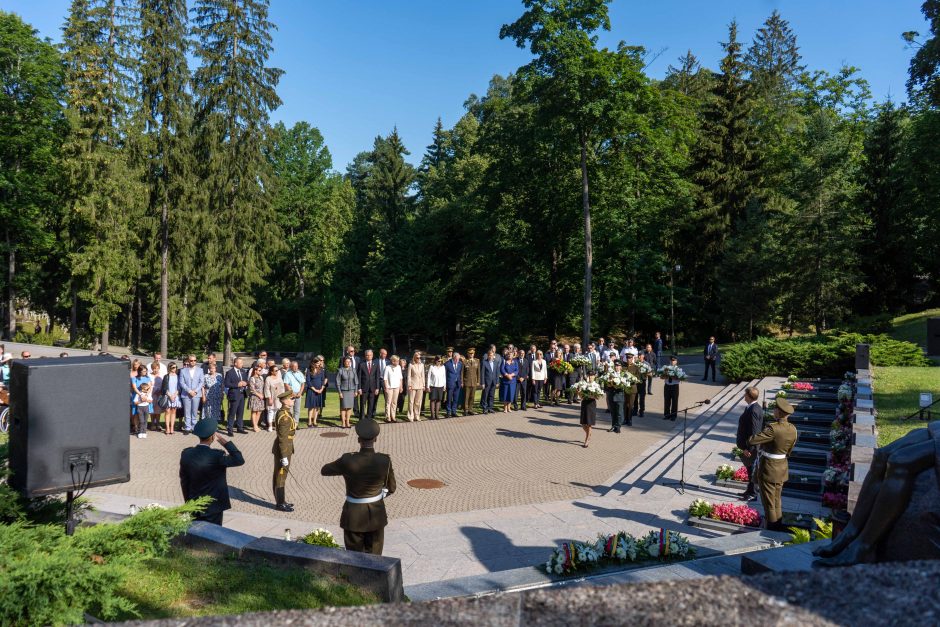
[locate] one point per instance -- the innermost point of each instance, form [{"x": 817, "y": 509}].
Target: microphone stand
[{"x": 681, "y": 485}]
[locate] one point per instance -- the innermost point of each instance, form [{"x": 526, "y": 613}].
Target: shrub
[{"x": 814, "y": 356}]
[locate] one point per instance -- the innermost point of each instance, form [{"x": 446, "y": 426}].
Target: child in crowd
[{"x": 142, "y": 400}]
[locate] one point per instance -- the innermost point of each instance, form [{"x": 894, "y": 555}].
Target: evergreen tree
[
  {"x": 923, "y": 83},
  {"x": 166, "y": 108},
  {"x": 235, "y": 92},
  {"x": 774, "y": 60},
  {"x": 689, "y": 79}
]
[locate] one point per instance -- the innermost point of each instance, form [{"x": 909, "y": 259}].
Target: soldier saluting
[
  {"x": 283, "y": 449},
  {"x": 369, "y": 478},
  {"x": 777, "y": 441}
]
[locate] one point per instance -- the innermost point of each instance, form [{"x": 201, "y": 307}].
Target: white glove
[{"x": 285, "y": 462}]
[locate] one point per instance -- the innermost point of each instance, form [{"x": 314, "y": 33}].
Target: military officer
[
  {"x": 631, "y": 393},
  {"x": 369, "y": 479},
  {"x": 471, "y": 380},
  {"x": 283, "y": 449},
  {"x": 776, "y": 442}
]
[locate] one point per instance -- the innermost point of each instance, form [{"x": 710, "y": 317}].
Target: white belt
[
  {"x": 368, "y": 499},
  {"x": 773, "y": 455}
]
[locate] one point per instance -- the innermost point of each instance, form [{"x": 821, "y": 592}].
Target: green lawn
[
  {"x": 184, "y": 583},
  {"x": 913, "y": 327},
  {"x": 897, "y": 395}
]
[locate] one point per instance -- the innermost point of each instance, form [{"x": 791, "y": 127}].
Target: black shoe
[
  {"x": 610, "y": 430},
  {"x": 747, "y": 497},
  {"x": 242, "y": 431},
  {"x": 641, "y": 414},
  {"x": 616, "y": 430},
  {"x": 231, "y": 434},
  {"x": 629, "y": 424},
  {"x": 290, "y": 505},
  {"x": 283, "y": 507}
]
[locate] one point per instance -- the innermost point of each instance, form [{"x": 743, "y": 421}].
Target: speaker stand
[
  {"x": 681, "y": 485},
  {"x": 70, "y": 521}
]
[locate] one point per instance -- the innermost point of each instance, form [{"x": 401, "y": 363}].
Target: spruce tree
[
  {"x": 235, "y": 91},
  {"x": 774, "y": 60},
  {"x": 166, "y": 108}
]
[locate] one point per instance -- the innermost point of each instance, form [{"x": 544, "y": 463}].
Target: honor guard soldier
[
  {"x": 369, "y": 479},
  {"x": 285, "y": 426},
  {"x": 776, "y": 442}
]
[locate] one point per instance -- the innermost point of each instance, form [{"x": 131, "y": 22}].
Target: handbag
[{"x": 163, "y": 401}]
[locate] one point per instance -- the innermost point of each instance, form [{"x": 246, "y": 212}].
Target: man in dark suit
[
  {"x": 550, "y": 355},
  {"x": 369, "y": 479},
  {"x": 750, "y": 424},
  {"x": 453, "y": 378},
  {"x": 369, "y": 386},
  {"x": 522, "y": 382},
  {"x": 711, "y": 358},
  {"x": 202, "y": 470},
  {"x": 489, "y": 377},
  {"x": 658, "y": 349},
  {"x": 236, "y": 389},
  {"x": 354, "y": 364}
]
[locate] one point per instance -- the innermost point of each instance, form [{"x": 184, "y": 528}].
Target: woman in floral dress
[
  {"x": 212, "y": 394},
  {"x": 256, "y": 395}
]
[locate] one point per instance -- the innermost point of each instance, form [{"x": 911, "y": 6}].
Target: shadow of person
[
  {"x": 495, "y": 551},
  {"x": 521, "y": 435},
  {"x": 642, "y": 518},
  {"x": 237, "y": 494}
]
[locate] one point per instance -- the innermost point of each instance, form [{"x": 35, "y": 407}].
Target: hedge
[{"x": 814, "y": 356}]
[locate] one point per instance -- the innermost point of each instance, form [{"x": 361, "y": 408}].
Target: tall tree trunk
[
  {"x": 588, "y": 248},
  {"x": 73, "y": 315},
  {"x": 105, "y": 339},
  {"x": 300, "y": 311},
  {"x": 11, "y": 289},
  {"x": 227, "y": 344},
  {"x": 140, "y": 323},
  {"x": 164, "y": 278}
]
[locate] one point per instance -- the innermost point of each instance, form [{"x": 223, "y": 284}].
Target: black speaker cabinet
[
  {"x": 66, "y": 414},
  {"x": 933, "y": 336}
]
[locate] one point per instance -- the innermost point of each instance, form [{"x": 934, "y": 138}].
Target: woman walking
[
  {"x": 539, "y": 376},
  {"x": 436, "y": 382},
  {"x": 273, "y": 388},
  {"x": 171, "y": 388},
  {"x": 256, "y": 394},
  {"x": 316, "y": 385},
  {"x": 212, "y": 394},
  {"x": 392, "y": 383},
  {"x": 507, "y": 384},
  {"x": 416, "y": 379},
  {"x": 347, "y": 382}
]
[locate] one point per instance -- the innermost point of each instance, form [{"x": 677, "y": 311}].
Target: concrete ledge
[
  {"x": 797, "y": 557},
  {"x": 378, "y": 574},
  {"x": 214, "y": 539}
]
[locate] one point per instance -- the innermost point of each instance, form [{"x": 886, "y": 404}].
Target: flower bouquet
[
  {"x": 781, "y": 394},
  {"x": 835, "y": 500},
  {"x": 644, "y": 368},
  {"x": 672, "y": 372},
  {"x": 845, "y": 392},
  {"x": 803, "y": 386},
  {"x": 737, "y": 514},
  {"x": 724, "y": 472},
  {"x": 619, "y": 546},
  {"x": 622, "y": 380},
  {"x": 320, "y": 537},
  {"x": 741, "y": 474},
  {"x": 580, "y": 361},
  {"x": 561, "y": 366},
  {"x": 587, "y": 389},
  {"x": 664, "y": 544},
  {"x": 737, "y": 452},
  {"x": 569, "y": 556},
  {"x": 792, "y": 378},
  {"x": 700, "y": 508}
]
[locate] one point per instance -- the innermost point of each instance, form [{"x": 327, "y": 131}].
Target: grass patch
[
  {"x": 897, "y": 395},
  {"x": 184, "y": 583},
  {"x": 913, "y": 327}
]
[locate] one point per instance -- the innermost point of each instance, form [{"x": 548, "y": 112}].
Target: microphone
[{"x": 708, "y": 401}]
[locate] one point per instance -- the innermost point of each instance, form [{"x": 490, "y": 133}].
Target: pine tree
[
  {"x": 167, "y": 122},
  {"x": 99, "y": 42},
  {"x": 235, "y": 92},
  {"x": 689, "y": 79},
  {"x": 390, "y": 179},
  {"x": 774, "y": 60}
]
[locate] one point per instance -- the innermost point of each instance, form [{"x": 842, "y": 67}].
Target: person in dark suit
[
  {"x": 369, "y": 385},
  {"x": 750, "y": 424},
  {"x": 658, "y": 349},
  {"x": 650, "y": 358},
  {"x": 453, "y": 371},
  {"x": 369, "y": 479},
  {"x": 202, "y": 470},
  {"x": 523, "y": 382},
  {"x": 550, "y": 355},
  {"x": 355, "y": 360},
  {"x": 711, "y": 358},
  {"x": 489, "y": 376},
  {"x": 236, "y": 389}
]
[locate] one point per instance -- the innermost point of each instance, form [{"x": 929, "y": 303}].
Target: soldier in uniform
[
  {"x": 776, "y": 442},
  {"x": 369, "y": 478},
  {"x": 471, "y": 380},
  {"x": 631, "y": 393},
  {"x": 285, "y": 426}
]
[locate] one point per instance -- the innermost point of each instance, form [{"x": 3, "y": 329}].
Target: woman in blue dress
[
  {"x": 212, "y": 395},
  {"x": 507, "y": 384},
  {"x": 316, "y": 384},
  {"x": 138, "y": 378}
]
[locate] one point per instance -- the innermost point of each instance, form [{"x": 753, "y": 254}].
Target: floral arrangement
[
  {"x": 320, "y": 537},
  {"x": 849, "y": 376},
  {"x": 845, "y": 392},
  {"x": 587, "y": 389},
  {"x": 561, "y": 366},
  {"x": 727, "y": 512},
  {"x": 835, "y": 500},
  {"x": 741, "y": 474},
  {"x": 781, "y": 394},
  {"x": 622, "y": 380},
  {"x": 792, "y": 378},
  {"x": 724, "y": 472},
  {"x": 836, "y": 475},
  {"x": 580, "y": 361},
  {"x": 799, "y": 386},
  {"x": 644, "y": 368},
  {"x": 672, "y": 372},
  {"x": 737, "y": 452},
  {"x": 616, "y": 549}
]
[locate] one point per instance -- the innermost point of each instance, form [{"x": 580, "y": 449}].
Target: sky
[{"x": 356, "y": 69}]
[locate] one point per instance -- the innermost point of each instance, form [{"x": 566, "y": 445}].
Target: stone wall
[{"x": 864, "y": 431}]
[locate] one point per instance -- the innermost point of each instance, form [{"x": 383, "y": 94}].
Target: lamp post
[{"x": 672, "y": 304}]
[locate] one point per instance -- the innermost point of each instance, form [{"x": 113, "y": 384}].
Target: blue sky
[{"x": 358, "y": 68}]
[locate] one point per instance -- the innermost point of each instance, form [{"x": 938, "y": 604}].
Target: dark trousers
[
  {"x": 671, "y": 401},
  {"x": 236, "y": 411},
  {"x": 628, "y": 408},
  {"x": 536, "y": 388},
  {"x": 640, "y": 406},
  {"x": 365, "y": 541},
  {"x": 549, "y": 388},
  {"x": 215, "y": 519},
  {"x": 522, "y": 389},
  {"x": 616, "y": 413},
  {"x": 751, "y": 467},
  {"x": 709, "y": 363},
  {"x": 367, "y": 404},
  {"x": 453, "y": 395},
  {"x": 401, "y": 398},
  {"x": 486, "y": 398},
  {"x": 649, "y": 385}
]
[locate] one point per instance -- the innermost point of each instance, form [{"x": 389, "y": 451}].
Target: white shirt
[
  {"x": 539, "y": 370},
  {"x": 437, "y": 378},
  {"x": 631, "y": 350},
  {"x": 161, "y": 366},
  {"x": 392, "y": 377}
]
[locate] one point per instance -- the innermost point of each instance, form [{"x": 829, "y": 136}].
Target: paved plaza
[{"x": 515, "y": 484}]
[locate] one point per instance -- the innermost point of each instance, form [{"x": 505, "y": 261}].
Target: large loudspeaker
[{"x": 70, "y": 423}]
